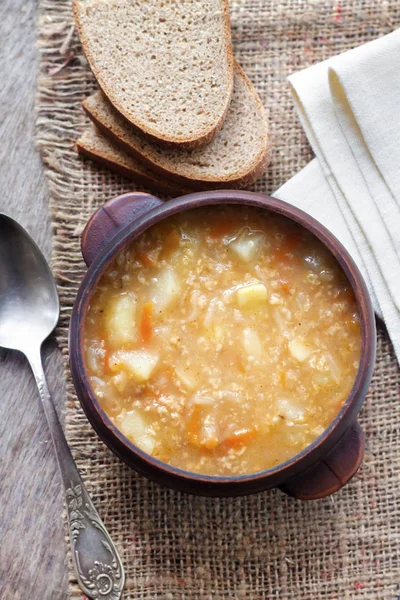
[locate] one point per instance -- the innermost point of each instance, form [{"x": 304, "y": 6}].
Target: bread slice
[
  {"x": 236, "y": 157},
  {"x": 92, "y": 144},
  {"x": 166, "y": 66}
]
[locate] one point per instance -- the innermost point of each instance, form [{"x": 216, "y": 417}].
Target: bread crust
[
  {"x": 152, "y": 183},
  {"x": 172, "y": 142},
  {"x": 245, "y": 179}
]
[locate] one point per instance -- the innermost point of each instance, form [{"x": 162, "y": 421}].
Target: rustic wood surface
[{"x": 32, "y": 547}]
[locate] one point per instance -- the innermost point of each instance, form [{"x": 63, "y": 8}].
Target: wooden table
[{"x": 32, "y": 547}]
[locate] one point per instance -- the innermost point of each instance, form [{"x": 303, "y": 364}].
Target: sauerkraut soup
[{"x": 223, "y": 341}]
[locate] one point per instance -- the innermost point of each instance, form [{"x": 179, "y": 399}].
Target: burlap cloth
[{"x": 266, "y": 546}]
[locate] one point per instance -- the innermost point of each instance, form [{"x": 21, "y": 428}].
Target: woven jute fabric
[{"x": 267, "y": 546}]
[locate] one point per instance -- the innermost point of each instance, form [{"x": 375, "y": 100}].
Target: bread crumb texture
[{"x": 166, "y": 66}]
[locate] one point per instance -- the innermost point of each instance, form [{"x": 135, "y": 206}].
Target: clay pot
[{"x": 324, "y": 466}]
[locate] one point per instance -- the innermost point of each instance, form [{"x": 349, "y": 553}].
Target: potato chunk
[
  {"x": 186, "y": 378},
  {"x": 299, "y": 350},
  {"x": 247, "y": 246},
  {"x": 138, "y": 364},
  {"x": 95, "y": 357},
  {"x": 166, "y": 289},
  {"x": 289, "y": 409},
  {"x": 119, "y": 320},
  {"x": 135, "y": 427},
  {"x": 252, "y": 295},
  {"x": 252, "y": 343},
  {"x": 120, "y": 381}
]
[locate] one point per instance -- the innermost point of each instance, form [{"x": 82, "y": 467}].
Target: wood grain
[{"x": 32, "y": 547}]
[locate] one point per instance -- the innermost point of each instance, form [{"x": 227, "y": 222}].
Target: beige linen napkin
[{"x": 349, "y": 107}]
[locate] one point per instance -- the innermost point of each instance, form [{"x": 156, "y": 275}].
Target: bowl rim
[{"x": 189, "y": 202}]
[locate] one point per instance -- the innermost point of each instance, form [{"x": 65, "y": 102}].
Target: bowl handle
[
  {"x": 333, "y": 471},
  {"x": 113, "y": 216}
]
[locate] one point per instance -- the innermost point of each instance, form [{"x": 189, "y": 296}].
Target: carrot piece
[
  {"x": 147, "y": 260},
  {"x": 239, "y": 438},
  {"x": 194, "y": 430},
  {"x": 282, "y": 377},
  {"x": 107, "y": 356},
  {"x": 194, "y": 425},
  {"x": 240, "y": 365},
  {"x": 169, "y": 372},
  {"x": 284, "y": 286},
  {"x": 146, "y": 328},
  {"x": 150, "y": 393}
]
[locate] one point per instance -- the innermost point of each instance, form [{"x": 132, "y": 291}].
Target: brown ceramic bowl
[{"x": 324, "y": 466}]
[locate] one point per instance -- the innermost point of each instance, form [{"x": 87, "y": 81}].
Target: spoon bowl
[{"x": 29, "y": 305}]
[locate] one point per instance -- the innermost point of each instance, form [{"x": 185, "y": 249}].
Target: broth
[{"x": 223, "y": 341}]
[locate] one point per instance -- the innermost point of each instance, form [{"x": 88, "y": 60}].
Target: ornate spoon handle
[{"x": 98, "y": 567}]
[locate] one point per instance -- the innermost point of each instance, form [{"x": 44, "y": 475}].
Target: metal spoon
[{"x": 29, "y": 311}]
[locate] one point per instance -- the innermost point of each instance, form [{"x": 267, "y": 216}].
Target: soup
[{"x": 223, "y": 341}]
